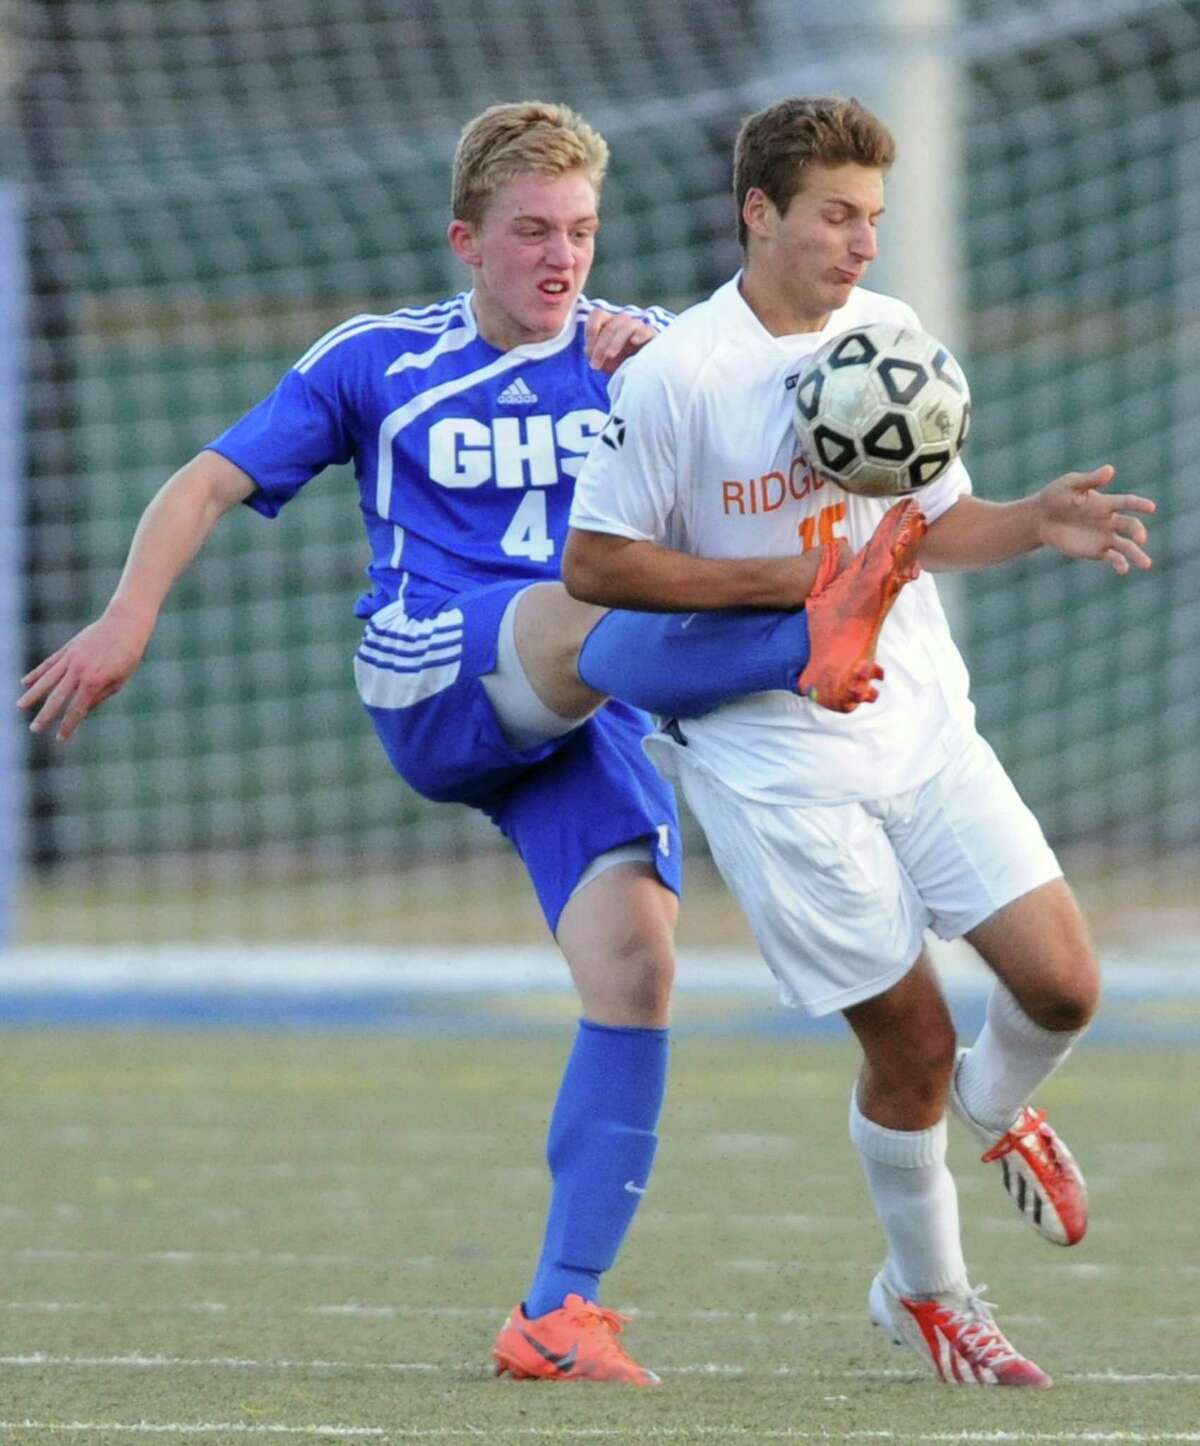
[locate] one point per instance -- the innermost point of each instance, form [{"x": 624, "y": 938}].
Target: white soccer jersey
[{"x": 699, "y": 455}]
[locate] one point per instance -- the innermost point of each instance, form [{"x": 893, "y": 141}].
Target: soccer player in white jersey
[
  {"x": 845, "y": 837},
  {"x": 467, "y": 422}
]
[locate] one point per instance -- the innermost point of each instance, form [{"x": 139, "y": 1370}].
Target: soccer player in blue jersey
[{"x": 467, "y": 423}]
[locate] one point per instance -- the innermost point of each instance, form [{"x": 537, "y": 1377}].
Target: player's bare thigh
[
  {"x": 617, "y": 935},
  {"x": 1039, "y": 945},
  {"x": 550, "y": 629}
]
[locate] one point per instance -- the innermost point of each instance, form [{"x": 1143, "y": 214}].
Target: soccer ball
[{"x": 882, "y": 410}]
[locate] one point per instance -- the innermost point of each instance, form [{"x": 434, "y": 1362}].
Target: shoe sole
[{"x": 842, "y": 685}]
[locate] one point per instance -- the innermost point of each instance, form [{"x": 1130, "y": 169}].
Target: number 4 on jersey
[{"x": 526, "y": 535}]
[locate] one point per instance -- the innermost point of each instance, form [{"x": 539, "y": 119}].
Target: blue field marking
[{"x": 489, "y": 993}]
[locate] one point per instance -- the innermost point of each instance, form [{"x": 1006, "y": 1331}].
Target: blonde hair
[
  {"x": 777, "y": 145},
  {"x": 515, "y": 139}
]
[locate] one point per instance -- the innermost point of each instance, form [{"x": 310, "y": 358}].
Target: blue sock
[
  {"x": 600, "y": 1150},
  {"x": 681, "y": 665}
]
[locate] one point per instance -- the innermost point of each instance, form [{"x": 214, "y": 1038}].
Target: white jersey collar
[{"x": 732, "y": 303}]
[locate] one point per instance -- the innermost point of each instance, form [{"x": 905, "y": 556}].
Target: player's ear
[
  {"x": 464, "y": 242},
  {"x": 758, "y": 211}
]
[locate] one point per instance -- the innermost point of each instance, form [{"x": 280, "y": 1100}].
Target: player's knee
[
  {"x": 932, "y": 1065},
  {"x": 1067, "y": 1001},
  {"x": 638, "y": 976},
  {"x": 913, "y": 1069},
  {"x": 646, "y": 977},
  {"x": 626, "y": 981}
]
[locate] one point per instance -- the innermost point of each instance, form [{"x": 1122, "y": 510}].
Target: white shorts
[{"x": 839, "y": 895}]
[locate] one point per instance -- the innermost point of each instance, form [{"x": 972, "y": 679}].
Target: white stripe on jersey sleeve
[
  {"x": 416, "y": 321},
  {"x": 419, "y": 318},
  {"x": 659, "y": 315},
  {"x": 449, "y": 341}
]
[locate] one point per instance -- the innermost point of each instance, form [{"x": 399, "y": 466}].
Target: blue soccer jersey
[
  {"x": 465, "y": 456},
  {"x": 466, "y": 459}
]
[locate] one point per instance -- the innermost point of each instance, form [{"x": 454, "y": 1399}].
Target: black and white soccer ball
[{"x": 882, "y": 410}]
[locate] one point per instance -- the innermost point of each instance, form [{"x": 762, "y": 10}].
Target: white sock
[
  {"x": 917, "y": 1204},
  {"x": 1006, "y": 1064}
]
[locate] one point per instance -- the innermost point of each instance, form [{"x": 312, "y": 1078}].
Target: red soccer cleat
[
  {"x": 956, "y": 1337},
  {"x": 1042, "y": 1178},
  {"x": 577, "y": 1342},
  {"x": 847, "y": 608},
  {"x": 1039, "y": 1172}
]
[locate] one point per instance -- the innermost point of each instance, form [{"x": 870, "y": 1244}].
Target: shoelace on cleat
[
  {"x": 976, "y": 1333},
  {"x": 589, "y": 1314},
  {"x": 1011, "y": 1140}
]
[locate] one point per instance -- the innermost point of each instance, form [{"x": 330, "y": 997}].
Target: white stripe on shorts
[{"x": 402, "y": 661}]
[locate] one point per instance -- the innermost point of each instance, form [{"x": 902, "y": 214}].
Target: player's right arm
[
  {"x": 626, "y": 572},
  {"x": 618, "y": 551},
  {"x": 99, "y": 660}
]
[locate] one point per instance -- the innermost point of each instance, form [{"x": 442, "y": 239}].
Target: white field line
[
  {"x": 286, "y": 1259},
  {"x": 588, "y": 1433},
  {"x": 318, "y": 1142},
  {"x": 346, "y": 1201},
  {"x": 447, "y": 1312},
  {"x": 83, "y": 1134},
  {"x": 480, "y": 1312},
  {"x": 195, "y": 1428},
  {"x": 742, "y": 1433},
  {"x": 137, "y": 1360},
  {"x": 1083, "y": 1271},
  {"x": 489, "y": 1312}
]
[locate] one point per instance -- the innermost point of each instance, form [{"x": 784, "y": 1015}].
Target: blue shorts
[{"x": 562, "y": 803}]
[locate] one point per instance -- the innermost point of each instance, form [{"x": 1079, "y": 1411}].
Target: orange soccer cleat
[
  {"x": 577, "y": 1342},
  {"x": 847, "y": 608}
]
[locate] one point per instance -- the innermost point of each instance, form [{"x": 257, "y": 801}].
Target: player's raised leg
[
  {"x": 1046, "y": 993},
  {"x": 897, "y": 1123},
  {"x": 684, "y": 665},
  {"x": 558, "y": 659}
]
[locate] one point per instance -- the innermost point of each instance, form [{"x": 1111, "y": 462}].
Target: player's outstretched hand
[
  {"x": 79, "y": 676},
  {"x": 612, "y": 337},
  {"x": 1080, "y": 520}
]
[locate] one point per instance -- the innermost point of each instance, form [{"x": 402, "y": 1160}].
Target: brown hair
[
  {"x": 776, "y": 146},
  {"x": 512, "y": 140}
]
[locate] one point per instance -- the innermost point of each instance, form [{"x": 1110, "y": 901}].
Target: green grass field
[{"x": 226, "y": 1237}]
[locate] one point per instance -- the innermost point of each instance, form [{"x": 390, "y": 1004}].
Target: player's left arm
[{"x": 1072, "y": 514}]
